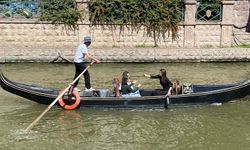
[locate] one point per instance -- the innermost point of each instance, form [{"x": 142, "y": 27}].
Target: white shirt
[{"x": 80, "y": 53}]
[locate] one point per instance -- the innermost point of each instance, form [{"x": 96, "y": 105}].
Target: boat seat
[{"x": 187, "y": 88}]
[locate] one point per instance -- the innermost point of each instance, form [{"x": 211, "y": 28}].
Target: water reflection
[{"x": 186, "y": 128}]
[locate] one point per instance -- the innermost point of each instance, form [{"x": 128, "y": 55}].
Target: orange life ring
[{"x": 74, "y": 105}]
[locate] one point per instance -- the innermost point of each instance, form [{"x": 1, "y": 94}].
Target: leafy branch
[
  {"x": 60, "y": 12},
  {"x": 159, "y": 17}
]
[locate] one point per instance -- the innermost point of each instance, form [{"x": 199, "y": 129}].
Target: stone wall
[
  {"x": 112, "y": 38},
  {"x": 28, "y": 40},
  {"x": 172, "y": 55},
  {"x": 241, "y": 13},
  {"x": 29, "y": 35},
  {"x": 207, "y": 35},
  {"x": 241, "y": 31}
]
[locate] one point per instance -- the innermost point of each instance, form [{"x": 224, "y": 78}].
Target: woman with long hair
[
  {"x": 164, "y": 81},
  {"x": 128, "y": 86}
]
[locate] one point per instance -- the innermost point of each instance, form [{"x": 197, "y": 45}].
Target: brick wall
[
  {"x": 26, "y": 35},
  {"x": 207, "y": 36}
]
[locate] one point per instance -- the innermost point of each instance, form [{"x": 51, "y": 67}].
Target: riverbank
[{"x": 147, "y": 54}]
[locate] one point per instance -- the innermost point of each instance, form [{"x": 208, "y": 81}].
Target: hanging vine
[
  {"x": 159, "y": 17},
  {"x": 60, "y": 12}
]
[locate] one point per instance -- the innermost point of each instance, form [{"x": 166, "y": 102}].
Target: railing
[
  {"x": 182, "y": 13},
  {"x": 209, "y": 12},
  {"x": 18, "y": 8}
]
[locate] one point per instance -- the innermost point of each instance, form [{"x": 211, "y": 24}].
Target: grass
[
  {"x": 243, "y": 46},
  {"x": 145, "y": 46}
]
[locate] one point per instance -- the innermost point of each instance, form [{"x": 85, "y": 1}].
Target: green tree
[{"x": 60, "y": 12}]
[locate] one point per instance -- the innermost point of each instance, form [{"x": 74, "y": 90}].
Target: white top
[{"x": 80, "y": 53}]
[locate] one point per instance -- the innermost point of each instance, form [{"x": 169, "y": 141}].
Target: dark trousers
[{"x": 79, "y": 69}]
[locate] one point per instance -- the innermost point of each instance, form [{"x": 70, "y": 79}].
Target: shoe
[
  {"x": 78, "y": 90},
  {"x": 90, "y": 89}
]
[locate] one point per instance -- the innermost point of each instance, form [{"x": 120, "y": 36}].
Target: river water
[{"x": 225, "y": 127}]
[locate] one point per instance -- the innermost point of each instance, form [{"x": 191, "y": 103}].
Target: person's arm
[
  {"x": 170, "y": 84},
  {"x": 152, "y": 76},
  {"x": 125, "y": 89},
  {"x": 129, "y": 89},
  {"x": 134, "y": 82},
  {"x": 147, "y": 75},
  {"x": 134, "y": 88},
  {"x": 92, "y": 58},
  {"x": 169, "y": 91}
]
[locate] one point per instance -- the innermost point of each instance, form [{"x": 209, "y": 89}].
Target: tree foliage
[
  {"x": 60, "y": 12},
  {"x": 159, "y": 17}
]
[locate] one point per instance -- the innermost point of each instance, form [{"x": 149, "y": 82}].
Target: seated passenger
[
  {"x": 164, "y": 81},
  {"x": 116, "y": 87},
  {"x": 128, "y": 87},
  {"x": 175, "y": 89}
]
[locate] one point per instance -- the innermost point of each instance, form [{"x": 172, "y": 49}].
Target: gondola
[{"x": 191, "y": 95}]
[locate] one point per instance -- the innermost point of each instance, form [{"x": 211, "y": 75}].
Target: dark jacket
[
  {"x": 166, "y": 84},
  {"x": 126, "y": 89}
]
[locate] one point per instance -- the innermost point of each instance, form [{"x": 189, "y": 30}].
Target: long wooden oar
[{"x": 53, "y": 103}]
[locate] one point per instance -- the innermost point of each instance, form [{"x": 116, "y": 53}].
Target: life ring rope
[{"x": 72, "y": 106}]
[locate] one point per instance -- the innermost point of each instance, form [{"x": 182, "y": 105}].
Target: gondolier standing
[{"x": 80, "y": 62}]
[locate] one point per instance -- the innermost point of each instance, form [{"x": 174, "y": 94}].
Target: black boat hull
[{"x": 203, "y": 94}]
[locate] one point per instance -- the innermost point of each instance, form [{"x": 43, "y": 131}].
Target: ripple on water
[
  {"x": 185, "y": 128},
  {"x": 21, "y": 134}
]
